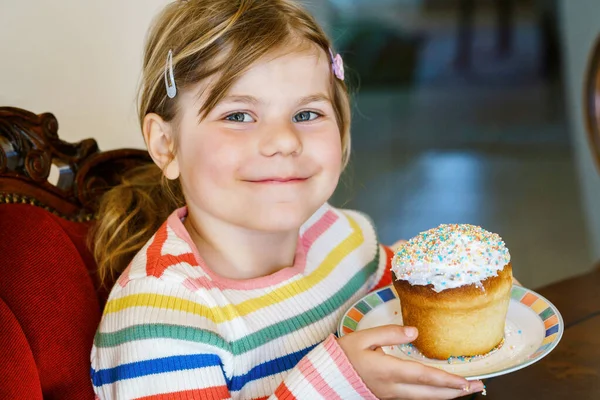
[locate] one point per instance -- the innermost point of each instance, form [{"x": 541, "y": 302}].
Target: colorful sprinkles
[
  {"x": 466, "y": 359},
  {"x": 446, "y": 244},
  {"x": 450, "y": 256},
  {"x": 409, "y": 349}
]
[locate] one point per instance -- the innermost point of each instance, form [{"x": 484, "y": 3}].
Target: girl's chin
[{"x": 277, "y": 220}]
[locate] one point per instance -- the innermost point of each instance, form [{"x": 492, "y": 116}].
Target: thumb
[{"x": 386, "y": 335}]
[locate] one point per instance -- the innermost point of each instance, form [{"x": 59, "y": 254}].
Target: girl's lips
[{"x": 279, "y": 180}]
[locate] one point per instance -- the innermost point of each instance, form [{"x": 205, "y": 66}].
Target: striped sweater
[{"x": 174, "y": 329}]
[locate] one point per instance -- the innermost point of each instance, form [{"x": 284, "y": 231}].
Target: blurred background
[
  {"x": 465, "y": 111},
  {"x": 461, "y": 116}
]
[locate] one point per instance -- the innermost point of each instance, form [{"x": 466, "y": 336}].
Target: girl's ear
[{"x": 158, "y": 135}]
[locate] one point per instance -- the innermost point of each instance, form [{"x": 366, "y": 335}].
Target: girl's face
[{"x": 269, "y": 154}]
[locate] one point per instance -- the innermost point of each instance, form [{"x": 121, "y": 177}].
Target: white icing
[{"x": 450, "y": 256}]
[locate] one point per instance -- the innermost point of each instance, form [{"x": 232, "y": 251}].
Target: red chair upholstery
[
  {"x": 50, "y": 302},
  {"x": 51, "y": 296},
  {"x": 19, "y": 377}
]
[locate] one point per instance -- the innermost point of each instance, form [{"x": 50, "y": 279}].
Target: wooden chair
[
  {"x": 50, "y": 300},
  {"x": 591, "y": 101}
]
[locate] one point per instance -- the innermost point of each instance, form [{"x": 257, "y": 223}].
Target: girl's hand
[{"x": 389, "y": 377}]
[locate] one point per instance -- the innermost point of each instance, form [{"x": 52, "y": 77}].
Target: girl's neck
[{"x": 237, "y": 253}]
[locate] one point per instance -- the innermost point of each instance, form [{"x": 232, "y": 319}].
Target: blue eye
[
  {"x": 304, "y": 116},
  {"x": 239, "y": 117}
]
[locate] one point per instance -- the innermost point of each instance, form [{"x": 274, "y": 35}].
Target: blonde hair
[{"x": 207, "y": 37}]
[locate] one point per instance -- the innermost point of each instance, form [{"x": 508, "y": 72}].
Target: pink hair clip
[{"x": 337, "y": 64}]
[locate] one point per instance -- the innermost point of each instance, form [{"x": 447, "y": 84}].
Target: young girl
[{"x": 238, "y": 270}]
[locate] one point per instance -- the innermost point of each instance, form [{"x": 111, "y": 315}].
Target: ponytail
[{"x": 128, "y": 216}]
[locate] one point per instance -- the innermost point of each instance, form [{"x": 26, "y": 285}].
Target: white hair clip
[{"x": 170, "y": 76}]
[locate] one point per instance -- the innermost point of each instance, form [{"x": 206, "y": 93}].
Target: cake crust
[{"x": 463, "y": 321}]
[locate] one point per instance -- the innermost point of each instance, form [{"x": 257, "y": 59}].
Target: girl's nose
[{"x": 282, "y": 139}]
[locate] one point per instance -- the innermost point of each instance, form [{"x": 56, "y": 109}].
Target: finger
[
  {"x": 420, "y": 392},
  {"x": 420, "y": 374},
  {"x": 476, "y": 386},
  {"x": 386, "y": 335}
]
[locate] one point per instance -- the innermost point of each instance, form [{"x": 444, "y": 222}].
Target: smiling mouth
[{"x": 276, "y": 181}]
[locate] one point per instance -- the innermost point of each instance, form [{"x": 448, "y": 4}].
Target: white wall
[
  {"x": 80, "y": 60},
  {"x": 580, "y": 25}
]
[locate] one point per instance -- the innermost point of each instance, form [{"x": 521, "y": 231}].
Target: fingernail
[
  {"x": 474, "y": 386},
  {"x": 410, "y": 332}
]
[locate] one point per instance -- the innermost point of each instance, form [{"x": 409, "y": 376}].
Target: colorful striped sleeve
[
  {"x": 324, "y": 373},
  {"x": 383, "y": 276},
  {"x": 158, "y": 340}
]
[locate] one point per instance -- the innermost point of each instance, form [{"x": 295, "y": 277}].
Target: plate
[{"x": 533, "y": 329}]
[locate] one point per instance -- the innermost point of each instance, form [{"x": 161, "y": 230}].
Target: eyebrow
[
  {"x": 240, "y": 99},
  {"x": 254, "y": 101},
  {"x": 314, "y": 98}
]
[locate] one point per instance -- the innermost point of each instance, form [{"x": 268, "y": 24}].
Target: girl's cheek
[{"x": 331, "y": 148}]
